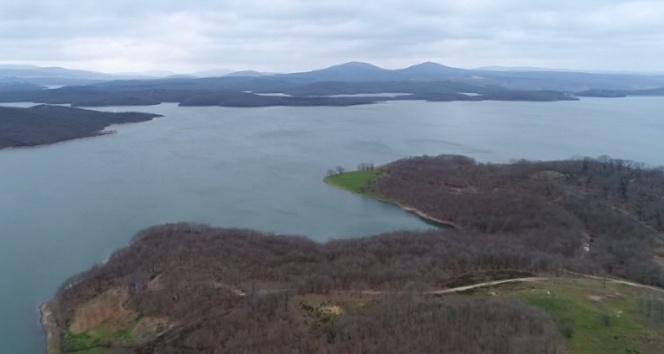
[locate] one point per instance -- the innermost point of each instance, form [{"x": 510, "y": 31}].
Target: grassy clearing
[
  {"x": 79, "y": 342},
  {"x": 101, "y": 338},
  {"x": 104, "y": 322},
  {"x": 594, "y": 316},
  {"x": 354, "y": 181}
]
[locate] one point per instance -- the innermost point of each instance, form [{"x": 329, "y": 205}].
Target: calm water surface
[{"x": 67, "y": 206}]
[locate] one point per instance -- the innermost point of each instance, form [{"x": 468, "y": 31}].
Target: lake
[{"x": 67, "y": 206}]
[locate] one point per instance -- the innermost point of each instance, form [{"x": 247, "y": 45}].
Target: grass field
[
  {"x": 598, "y": 317},
  {"x": 354, "y": 181}
]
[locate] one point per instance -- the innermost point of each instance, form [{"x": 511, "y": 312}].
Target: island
[
  {"x": 47, "y": 124},
  {"x": 536, "y": 257},
  {"x": 246, "y": 99}
]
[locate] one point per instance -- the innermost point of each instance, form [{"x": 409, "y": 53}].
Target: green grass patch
[
  {"x": 100, "y": 339},
  {"x": 360, "y": 182},
  {"x": 355, "y": 181},
  {"x": 595, "y": 317},
  {"x": 84, "y": 341}
]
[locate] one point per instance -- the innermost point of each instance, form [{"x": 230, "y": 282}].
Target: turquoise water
[{"x": 67, "y": 206}]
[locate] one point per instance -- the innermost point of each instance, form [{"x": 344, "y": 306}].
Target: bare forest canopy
[
  {"x": 240, "y": 291},
  {"x": 231, "y": 291},
  {"x": 605, "y": 213},
  {"x": 43, "y": 124}
]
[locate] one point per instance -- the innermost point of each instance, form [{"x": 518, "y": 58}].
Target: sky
[{"x": 299, "y": 35}]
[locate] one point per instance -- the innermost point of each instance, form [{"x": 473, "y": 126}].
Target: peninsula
[{"x": 45, "y": 124}]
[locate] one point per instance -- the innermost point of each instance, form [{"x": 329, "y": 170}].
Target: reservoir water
[{"x": 67, "y": 206}]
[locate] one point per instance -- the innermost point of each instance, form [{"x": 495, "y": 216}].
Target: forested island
[
  {"x": 46, "y": 124},
  {"x": 229, "y": 94},
  {"x": 544, "y": 257},
  {"x": 245, "y": 99}
]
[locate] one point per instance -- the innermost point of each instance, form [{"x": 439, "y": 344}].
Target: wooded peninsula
[
  {"x": 545, "y": 257},
  {"x": 46, "y": 124}
]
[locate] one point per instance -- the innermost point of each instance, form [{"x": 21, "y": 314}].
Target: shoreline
[
  {"x": 50, "y": 328},
  {"x": 100, "y": 133},
  {"x": 419, "y": 213}
]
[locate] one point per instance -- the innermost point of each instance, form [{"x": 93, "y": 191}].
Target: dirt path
[
  {"x": 519, "y": 280},
  {"x": 459, "y": 289},
  {"x": 484, "y": 285},
  {"x": 464, "y": 288}
]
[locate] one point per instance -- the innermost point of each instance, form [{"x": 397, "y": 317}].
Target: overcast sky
[{"x": 295, "y": 35}]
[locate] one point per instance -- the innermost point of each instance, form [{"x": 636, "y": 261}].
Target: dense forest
[
  {"x": 45, "y": 124},
  {"x": 607, "y": 212},
  {"x": 185, "y": 288},
  {"x": 240, "y": 291}
]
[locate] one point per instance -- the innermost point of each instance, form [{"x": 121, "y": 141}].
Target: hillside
[
  {"x": 564, "y": 231},
  {"x": 185, "y": 288}
]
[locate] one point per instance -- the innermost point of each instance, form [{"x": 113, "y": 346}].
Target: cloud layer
[{"x": 291, "y": 35}]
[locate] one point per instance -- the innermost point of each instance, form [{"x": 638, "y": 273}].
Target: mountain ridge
[{"x": 517, "y": 78}]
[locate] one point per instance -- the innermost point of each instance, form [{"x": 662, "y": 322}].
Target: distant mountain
[
  {"x": 429, "y": 81},
  {"x": 53, "y": 72},
  {"x": 512, "y": 78},
  {"x": 212, "y": 73},
  {"x": 352, "y": 71},
  {"x": 431, "y": 71},
  {"x": 246, "y": 73},
  {"x": 149, "y": 74},
  {"x": 56, "y": 76},
  {"x": 364, "y": 72}
]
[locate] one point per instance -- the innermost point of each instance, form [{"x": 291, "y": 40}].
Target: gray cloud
[{"x": 289, "y": 35}]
